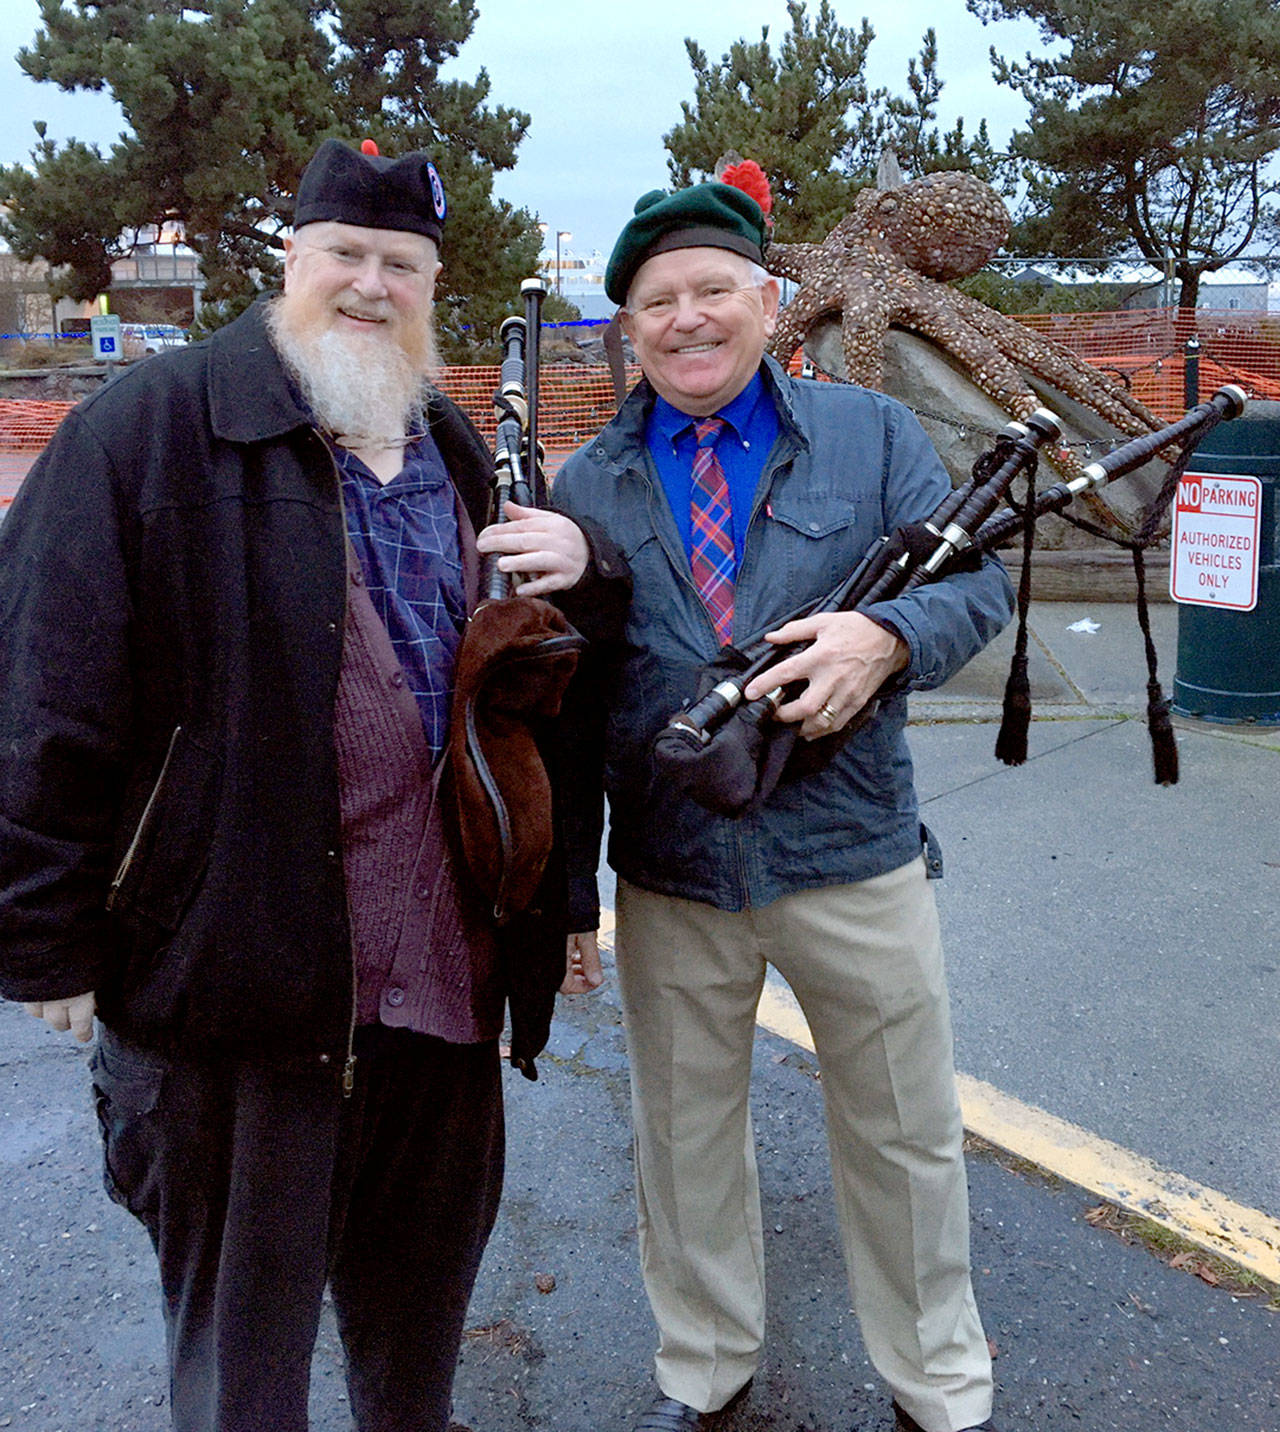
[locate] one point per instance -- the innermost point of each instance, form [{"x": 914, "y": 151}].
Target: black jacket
[{"x": 172, "y": 588}]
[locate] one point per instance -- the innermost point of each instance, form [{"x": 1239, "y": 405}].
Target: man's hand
[
  {"x": 546, "y": 550},
  {"x": 850, "y": 658},
  {"x": 63, "y": 1014},
  {"x": 582, "y": 972}
]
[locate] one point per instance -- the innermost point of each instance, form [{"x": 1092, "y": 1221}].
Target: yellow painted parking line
[{"x": 1245, "y": 1236}]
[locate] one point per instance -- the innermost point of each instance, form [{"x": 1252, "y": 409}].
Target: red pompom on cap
[
  {"x": 367, "y": 146},
  {"x": 748, "y": 176}
]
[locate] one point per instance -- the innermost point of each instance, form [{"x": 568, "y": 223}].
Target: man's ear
[
  {"x": 290, "y": 258},
  {"x": 769, "y": 297}
]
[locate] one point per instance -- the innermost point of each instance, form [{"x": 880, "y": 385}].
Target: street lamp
[
  {"x": 566, "y": 237},
  {"x": 561, "y": 234}
]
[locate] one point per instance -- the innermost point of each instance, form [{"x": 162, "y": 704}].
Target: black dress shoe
[
  {"x": 904, "y": 1422},
  {"x": 668, "y": 1415}
]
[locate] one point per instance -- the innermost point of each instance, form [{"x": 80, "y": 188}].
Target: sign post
[{"x": 1215, "y": 541}]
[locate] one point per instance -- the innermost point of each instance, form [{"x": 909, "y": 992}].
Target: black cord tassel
[
  {"x": 1011, "y": 742},
  {"x": 1015, "y": 721},
  {"x": 1164, "y": 745}
]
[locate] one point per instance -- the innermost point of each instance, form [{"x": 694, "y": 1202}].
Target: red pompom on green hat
[{"x": 716, "y": 215}]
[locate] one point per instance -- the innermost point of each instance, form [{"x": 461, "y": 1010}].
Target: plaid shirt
[{"x": 406, "y": 536}]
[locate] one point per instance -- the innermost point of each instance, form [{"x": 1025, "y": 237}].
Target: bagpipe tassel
[
  {"x": 1011, "y": 743},
  {"x": 1164, "y": 745},
  {"x": 1015, "y": 723}
]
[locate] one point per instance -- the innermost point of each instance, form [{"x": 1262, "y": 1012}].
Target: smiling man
[
  {"x": 737, "y": 494},
  {"x": 231, "y": 594}
]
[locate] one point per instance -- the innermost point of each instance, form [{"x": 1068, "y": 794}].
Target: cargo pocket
[{"x": 126, "y": 1091}]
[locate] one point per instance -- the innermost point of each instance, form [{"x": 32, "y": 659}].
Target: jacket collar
[
  {"x": 252, "y": 400},
  {"x": 250, "y": 396},
  {"x": 618, "y": 443}
]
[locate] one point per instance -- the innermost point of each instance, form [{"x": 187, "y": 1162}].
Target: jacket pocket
[
  {"x": 167, "y": 853},
  {"x": 811, "y": 544},
  {"x": 126, "y": 1091}
]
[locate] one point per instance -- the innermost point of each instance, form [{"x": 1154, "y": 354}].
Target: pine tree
[
  {"x": 1153, "y": 129},
  {"x": 807, "y": 115},
  {"x": 225, "y": 100}
]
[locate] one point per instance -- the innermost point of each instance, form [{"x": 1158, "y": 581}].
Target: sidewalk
[{"x": 1112, "y": 942}]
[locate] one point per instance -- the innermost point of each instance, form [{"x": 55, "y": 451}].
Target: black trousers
[{"x": 260, "y": 1184}]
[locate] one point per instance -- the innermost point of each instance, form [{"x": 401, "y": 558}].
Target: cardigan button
[{"x": 394, "y": 996}]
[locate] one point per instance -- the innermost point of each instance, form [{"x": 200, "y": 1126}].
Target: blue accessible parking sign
[{"x": 107, "y": 339}]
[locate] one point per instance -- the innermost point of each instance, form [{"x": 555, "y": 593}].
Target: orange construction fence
[
  {"x": 575, "y": 400},
  {"x": 1148, "y": 350},
  {"x": 1145, "y": 348},
  {"x": 26, "y": 426}
]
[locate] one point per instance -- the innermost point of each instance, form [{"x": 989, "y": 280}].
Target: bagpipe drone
[{"x": 729, "y": 754}]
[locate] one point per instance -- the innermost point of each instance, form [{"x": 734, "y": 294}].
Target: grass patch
[
  {"x": 1182, "y": 1254},
  {"x": 1163, "y": 1243}
]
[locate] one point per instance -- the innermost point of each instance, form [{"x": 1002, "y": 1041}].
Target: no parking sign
[{"x": 1216, "y": 525}]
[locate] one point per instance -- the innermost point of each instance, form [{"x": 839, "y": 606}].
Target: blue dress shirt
[{"x": 743, "y": 449}]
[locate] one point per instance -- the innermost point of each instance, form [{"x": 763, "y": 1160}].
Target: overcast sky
[{"x": 603, "y": 83}]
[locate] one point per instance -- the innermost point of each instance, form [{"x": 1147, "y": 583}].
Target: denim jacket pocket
[{"x": 812, "y": 543}]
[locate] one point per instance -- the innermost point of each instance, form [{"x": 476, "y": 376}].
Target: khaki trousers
[{"x": 865, "y": 962}]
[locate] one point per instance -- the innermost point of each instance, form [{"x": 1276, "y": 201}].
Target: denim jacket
[{"x": 848, "y": 466}]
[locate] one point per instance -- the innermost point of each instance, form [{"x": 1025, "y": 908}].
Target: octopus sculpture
[{"x": 887, "y": 263}]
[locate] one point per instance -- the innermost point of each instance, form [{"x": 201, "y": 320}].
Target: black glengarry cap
[{"x": 368, "y": 189}]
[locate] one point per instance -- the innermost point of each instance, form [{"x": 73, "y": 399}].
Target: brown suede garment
[{"x": 516, "y": 658}]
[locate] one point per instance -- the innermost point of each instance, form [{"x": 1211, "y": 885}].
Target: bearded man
[{"x": 232, "y": 591}]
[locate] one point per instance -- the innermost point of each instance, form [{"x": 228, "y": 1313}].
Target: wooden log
[{"x": 1092, "y": 574}]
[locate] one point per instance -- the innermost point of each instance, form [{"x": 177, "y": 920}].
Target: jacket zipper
[
  {"x": 349, "y": 1063},
  {"x": 123, "y": 870}
]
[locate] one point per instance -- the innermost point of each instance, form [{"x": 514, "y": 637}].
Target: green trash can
[{"x": 1229, "y": 661}]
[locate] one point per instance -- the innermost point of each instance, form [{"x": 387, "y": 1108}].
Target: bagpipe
[
  {"x": 729, "y": 754},
  {"x": 515, "y": 661}
]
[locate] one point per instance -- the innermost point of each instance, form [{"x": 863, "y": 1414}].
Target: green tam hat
[{"x": 714, "y": 216}]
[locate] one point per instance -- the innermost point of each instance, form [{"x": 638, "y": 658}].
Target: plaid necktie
[{"x": 712, "y": 556}]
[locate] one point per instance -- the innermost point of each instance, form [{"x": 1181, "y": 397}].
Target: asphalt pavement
[{"x": 1113, "y": 963}]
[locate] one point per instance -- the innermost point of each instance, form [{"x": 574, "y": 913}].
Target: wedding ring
[{"x": 827, "y": 714}]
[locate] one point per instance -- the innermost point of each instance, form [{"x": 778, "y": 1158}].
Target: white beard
[{"x": 358, "y": 386}]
